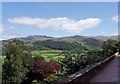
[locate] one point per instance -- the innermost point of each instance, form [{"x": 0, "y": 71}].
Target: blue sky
[
  {"x": 59, "y": 19},
  {"x": 60, "y": 0}
]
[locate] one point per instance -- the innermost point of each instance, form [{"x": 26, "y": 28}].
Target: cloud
[
  {"x": 5, "y": 37},
  {"x": 115, "y": 18},
  {"x": 11, "y": 35},
  {"x": 61, "y": 23}
]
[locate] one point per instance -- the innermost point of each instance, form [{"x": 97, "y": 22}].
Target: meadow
[{"x": 48, "y": 54}]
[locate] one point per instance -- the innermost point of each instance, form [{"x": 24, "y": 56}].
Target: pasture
[{"x": 48, "y": 54}]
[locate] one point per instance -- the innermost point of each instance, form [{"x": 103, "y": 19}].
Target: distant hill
[
  {"x": 86, "y": 41},
  {"x": 90, "y": 42},
  {"x": 76, "y": 37},
  {"x": 104, "y": 38},
  {"x": 34, "y": 38},
  {"x": 69, "y": 38}
]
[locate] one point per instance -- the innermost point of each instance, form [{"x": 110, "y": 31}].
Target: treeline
[
  {"x": 61, "y": 45},
  {"x": 58, "y": 45}
]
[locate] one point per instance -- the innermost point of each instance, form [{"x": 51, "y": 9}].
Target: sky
[
  {"x": 60, "y": 0},
  {"x": 59, "y": 19}
]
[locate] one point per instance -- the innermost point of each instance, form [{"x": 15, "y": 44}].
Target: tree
[
  {"x": 78, "y": 59},
  {"x": 59, "y": 45},
  {"x": 73, "y": 61},
  {"x": 41, "y": 69},
  {"x": 17, "y": 63},
  {"x": 110, "y": 47}
]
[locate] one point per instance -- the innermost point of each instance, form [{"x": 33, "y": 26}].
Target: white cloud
[
  {"x": 61, "y": 23},
  {"x": 11, "y": 35},
  {"x": 4, "y": 37},
  {"x": 115, "y": 18},
  {"x": 22, "y": 20}
]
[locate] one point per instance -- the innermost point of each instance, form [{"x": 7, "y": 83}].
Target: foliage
[
  {"x": 41, "y": 69},
  {"x": 70, "y": 63},
  {"x": 50, "y": 79},
  {"x": 78, "y": 59},
  {"x": 110, "y": 47},
  {"x": 38, "y": 82},
  {"x": 17, "y": 63},
  {"x": 58, "y": 45},
  {"x": 37, "y": 56},
  {"x": 93, "y": 43}
]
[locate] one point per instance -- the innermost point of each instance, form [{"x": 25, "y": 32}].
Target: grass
[{"x": 49, "y": 54}]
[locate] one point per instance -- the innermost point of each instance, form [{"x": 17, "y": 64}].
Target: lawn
[{"x": 49, "y": 54}]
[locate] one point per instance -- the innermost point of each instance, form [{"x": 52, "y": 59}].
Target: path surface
[{"x": 110, "y": 73}]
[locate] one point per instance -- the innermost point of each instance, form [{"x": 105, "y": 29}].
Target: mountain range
[
  {"x": 76, "y": 37},
  {"x": 85, "y": 41}
]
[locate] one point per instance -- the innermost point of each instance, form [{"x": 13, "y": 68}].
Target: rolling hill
[
  {"x": 90, "y": 42},
  {"x": 104, "y": 38}
]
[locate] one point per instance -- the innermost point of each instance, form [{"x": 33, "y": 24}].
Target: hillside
[
  {"x": 85, "y": 41},
  {"x": 68, "y": 42},
  {"x": 104, "y": 38},
  {"x": 34, "y": 38},
  {"x": 69, "y": 38},
  {"x": 65, "y": 43}
]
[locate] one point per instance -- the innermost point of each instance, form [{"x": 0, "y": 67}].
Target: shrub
[
  {"x": 78, "y": 59},
  {"x": 42, "y": 69},
  {"x": 51, "y": 78}
]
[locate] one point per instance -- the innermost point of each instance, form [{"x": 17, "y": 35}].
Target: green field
[{"x": 48, "y": 54}]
